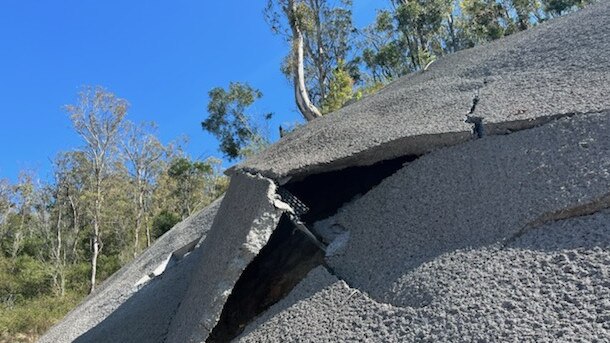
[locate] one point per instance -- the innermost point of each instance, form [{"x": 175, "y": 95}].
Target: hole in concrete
[
  {"x": 290, "y": 254},
  {"x": 478, "y": 129},
  {"x": 325, "y": 193},
  {"x": 273, "y": 273}
]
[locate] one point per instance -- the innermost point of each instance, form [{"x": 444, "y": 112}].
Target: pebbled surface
[
  {"x": 558, "y": 68},
  {"x": 472, "y": 195},
  {"x": 548, "y": 285},
  {"x": 146, "y": 316},
  {"x": 461, "y": 245},
  {"x": 119, "y": 288}
]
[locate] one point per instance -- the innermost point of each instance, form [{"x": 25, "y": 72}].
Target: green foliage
[
  {"x": 108, "y": 265},
  {"x": 328, "y": 34},
  {"x": 164, "y": 221},
  {"x": 559, "y": 7},
  {"x": 34, "y": 317},
  {"x": 228, "y": 120},
  {"x": 483, "y": 20},
  {"x": 340, "y": 90},
  {"x": 33, "y": 277}
]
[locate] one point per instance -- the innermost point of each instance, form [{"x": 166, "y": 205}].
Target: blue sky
[{"x": 162, "y": 56}]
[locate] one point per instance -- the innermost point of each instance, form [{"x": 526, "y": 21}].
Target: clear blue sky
[{"x": 162, "y": 56}]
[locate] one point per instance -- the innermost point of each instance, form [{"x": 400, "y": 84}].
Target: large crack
[
  {"x": 478, "y": 129},
  {"x": 292, "y": 251},
  {"x": 325, "y": 193},
  {"x": 285, "y": 260}
]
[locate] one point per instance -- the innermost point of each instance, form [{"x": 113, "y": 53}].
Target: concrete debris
[{"x": 170, "y": 261}]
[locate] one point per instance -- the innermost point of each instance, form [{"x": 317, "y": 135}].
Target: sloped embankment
[
  {"x": 468, "y": 202},
  {"x": 505, "y": 238}
]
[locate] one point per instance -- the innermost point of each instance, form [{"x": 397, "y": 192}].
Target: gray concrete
[
  {"x": 248, "y": 215},
  {"x": 504, "y": 238},
  {"x": 561, "y": 67},
  {"x": 550, "y": 284},
  {"x": 120, "y": 287},
  {"x": 467, "y": 196},
  {"x": 146, "y": 316}
]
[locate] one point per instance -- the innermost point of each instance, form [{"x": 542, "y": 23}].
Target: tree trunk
[
  {"x": 450, "y": 22},
  {"x": 139, "y": 216},
  {"x": 75, "y": 226},
  {"x": 147, "y": 235},
  {"x": 306, "y": 107},
  {"x": 96, "y": 230},
  {"x": 58, "y": 258}
]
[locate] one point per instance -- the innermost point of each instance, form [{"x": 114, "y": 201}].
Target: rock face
[{"x": 470, "y": 202}]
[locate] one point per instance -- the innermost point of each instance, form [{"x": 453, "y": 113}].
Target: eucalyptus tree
[
  {"x": 6, "y": 205},
  {"x": 233, "y": 122},
  {"x": 558, "y": 7},
  {"x": 189, "y": 177},
  {"x": 319, "y": 33},
  {"x": 384, "y": 50},
  {"x": 97, "y": 117},
  {"x": 143, "y": 155}
]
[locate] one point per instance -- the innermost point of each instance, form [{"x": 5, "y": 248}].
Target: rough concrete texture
[
  {"x": 246, "y": 218},
  {"x": 146, "y": 316},
  {"x": 558, "y": 68},
  {"x": 120, "y": 287},
  {"x": 549, "y": 284},
  {"x": 471, "y": 195}
]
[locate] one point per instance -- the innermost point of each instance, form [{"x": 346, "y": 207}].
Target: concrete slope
[
  {"x": 121, "y": 286},
  {"x": 550, "y": 284},
  {"x": 558, "y": 68},
  {"x": 475, "y": 194},
  {"x": 491, "y": 229},
  {"x": 147, "y": 314},
  {"x": 506, "y": 238}
]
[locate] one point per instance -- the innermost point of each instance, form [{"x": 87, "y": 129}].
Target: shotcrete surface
[
  {"x": 246, "y": 218},
  {"x": 476, "y": 194},
  {"x": 558, "y": 68},
  {"x": 550, "y": 284}
]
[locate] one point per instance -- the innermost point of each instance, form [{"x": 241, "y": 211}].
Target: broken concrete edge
[
  {"x": 120, "y": 286},
  {"x": 317, "y": 279},
  {"x": 170, "y": 260},
  {"x": 246, "y": 219},
  {"x": 104, "y": 287},
  {"x": 410, "y": 145}
]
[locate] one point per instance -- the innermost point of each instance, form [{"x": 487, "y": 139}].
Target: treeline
[
  {"x": 105, "y": 202},
  {"x": 331, "y": 63}
]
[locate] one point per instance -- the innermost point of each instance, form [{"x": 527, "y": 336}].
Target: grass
[{"x": 26, "y": 321}]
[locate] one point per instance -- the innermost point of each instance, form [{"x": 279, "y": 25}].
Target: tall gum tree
[
  {"x": 97, "y": 118},
  {"x": 319, "y": 33}
]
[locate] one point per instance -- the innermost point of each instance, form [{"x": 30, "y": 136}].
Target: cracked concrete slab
[
  {"x": 120, "y": 287},
  {"x": 247, "y": 217},
  {"x": 549, "y": 285},
  {"x": 472, "y": 195},
  {"x": 561, "y": 67}
]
